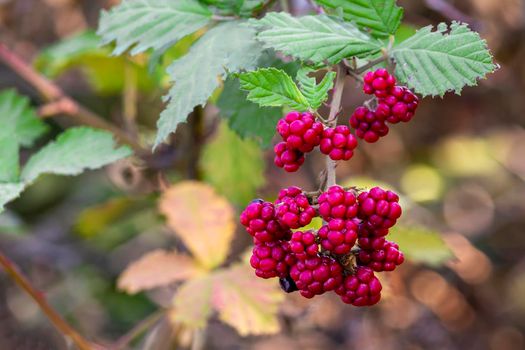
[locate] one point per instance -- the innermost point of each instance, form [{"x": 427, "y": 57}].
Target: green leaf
[
  {"x": 9, "y": 161},
  {"x": 19, "y": 121},
  {"x": 271, "y": 87},
  {"x": 314, "y": 93},
  {"x": 150, "y": 23},
  {"x": 233, "y": 166},
  {"x": 228, "y": 47},
  {"x": 434, "y": 62},
  {"x": 246, "y": 118},
  {"x": 421, "y": 245},
  {"x": 380, "y": 17},
  {"x": 9, "y": 192},
  {"x": 317, "y": 38},
  {"x": 74, "y": 151}
]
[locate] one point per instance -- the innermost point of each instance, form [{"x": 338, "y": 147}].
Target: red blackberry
[
  {"x": 368, "y": 125},
  {"x": 338, "y": 143},
  {"x": 300, "y": 131},
  {"x": 360, "y": 289},
  {"x": 338, "y": 236},
  {"x": 272, "y": 259},
  {"x": 384, "y": 258},
  {"x": 378, "y": 82},
  {"x": 379, "y": 209},
  {"x": 316, "y": 275},
  {"x": 336, "y": 203},
  {"x": 293, "y": 209},
  {"x": 303, "y": 244},
  {"x": 400, "y": 104},
  {"x": 287, "y": 158},
  {"x": 260, "y": 222}
]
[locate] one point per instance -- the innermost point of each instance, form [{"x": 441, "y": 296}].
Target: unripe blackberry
[
  {"x": 336, "y": 203},
  {"x": 286, "y": 158},
  {"x": 379, "y": 209},
  {"x": 378, "y": 82},
  {"x": 399, "y": 105},
  {"x": 300, "y": 131},
  {"x": 303, "y": 244},
  {"x": 338, "y": 143},
  {"x": 316, "y": 275},
  {"x": 293, "y": 209},
  {"x": 360, "y": 289},
  {"x": 368, "y": 125},
  {"x": 272, "y": 259},
  {"x": 338, "y": 236},
  {"x": 261, "y": 223},
  {"x": 386, "y": 258}
]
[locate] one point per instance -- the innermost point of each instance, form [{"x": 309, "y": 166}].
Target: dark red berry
[
  {"x": 304, "y": 244},
  {"x": 289, "y": 159},
  {"x": 338, "y": 236},
  {"x": 378, "y": 82},
  {"x": 378, "y": 208},
  {"x": 368, "y": 125},
  {"x": 383, "y": 258},
  {"x": 293, "y": 209},
  {"x": 399, "y": 105},
  {"x": 260, "y": 222},
  {"x": 336, "y": 203},
  {"x": 272, "y": 259},
  {"x": 338, "y": 143},
  {"x": 300, "y": 131},
  {"x": 316, "y": 275},
  {"x": 360, "y": 289}
]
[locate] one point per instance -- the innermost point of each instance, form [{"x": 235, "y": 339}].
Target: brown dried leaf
[
  {"x": 192, "y": 303},
  {"x": 156, "y": 269},
  {"x": 201, "y": 218}
]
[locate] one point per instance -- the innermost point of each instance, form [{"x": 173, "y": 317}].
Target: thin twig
[
  {"x": 138, "y": 329},
  {"x": 365, "y": 67},
  {"x": 61, "y": 325},
  {"x": 53, "y": 93}
]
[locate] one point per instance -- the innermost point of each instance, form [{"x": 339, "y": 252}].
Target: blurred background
[{"x": 459, "y": 165}]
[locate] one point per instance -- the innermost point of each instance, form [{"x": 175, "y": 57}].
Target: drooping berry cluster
[{"x": 341, "y": 256}]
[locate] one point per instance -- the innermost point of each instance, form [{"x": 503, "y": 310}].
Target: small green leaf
[
  {"x": 74, "y": 151},
  {"x": 434, "y": 62},
  {"x": 233, "y": 166},
  {"x": 380, "y": 17},
  {"x": 9, "y": 192},
  {"x": 246, "y": 118},
  {"x": 150, "y": 23},
  {"x": 228, "y": 47},
  {"x": 421, "y": 245},
  {"x": 317, "y": 38},
  {"x": 19, "y": 121},
  {"x": 314, "y": 93},
  {"x": 271, "y": 87},
  {"x": 9, "y": 161}
]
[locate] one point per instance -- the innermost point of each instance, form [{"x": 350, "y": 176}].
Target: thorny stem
[
  {"x": 61, "y": 325},
  {"x": 53, "y": 93},
  {"x": 137, "y": 330}
]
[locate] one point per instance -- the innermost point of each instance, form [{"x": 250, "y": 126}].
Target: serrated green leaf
[
  {"x": 228, "y": 47},
  {"x": 271, "y": 87},
  {"x": 9, "y": 192},
  {"x": 434, "y": 62},
  {"x": 246, "y": 118},
  {"x": 150, "y": 23},
  {"x": 317, "y": 38},
  {"x": 9, "y": 161},
  {"x": 380, "y": 17},
  {"x": 315, "y": 93},
  {"x": 233, "y": 166},
  {"x": 19, "y": 121},
  {"x": 74, "y": 151},
  {"x": 421, "y": 245}
]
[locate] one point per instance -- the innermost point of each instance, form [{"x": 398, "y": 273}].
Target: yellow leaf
[
  {"x": 156, "y": 269},
  {"x": 246, "y": 302},
  {"x": 192, "y": 303},
  {"x": 202, "y": 219}
]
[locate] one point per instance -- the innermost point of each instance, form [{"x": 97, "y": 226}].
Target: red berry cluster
[
  {"x": 315, "y": 262},
  {"x": 394, "y": 104}
]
